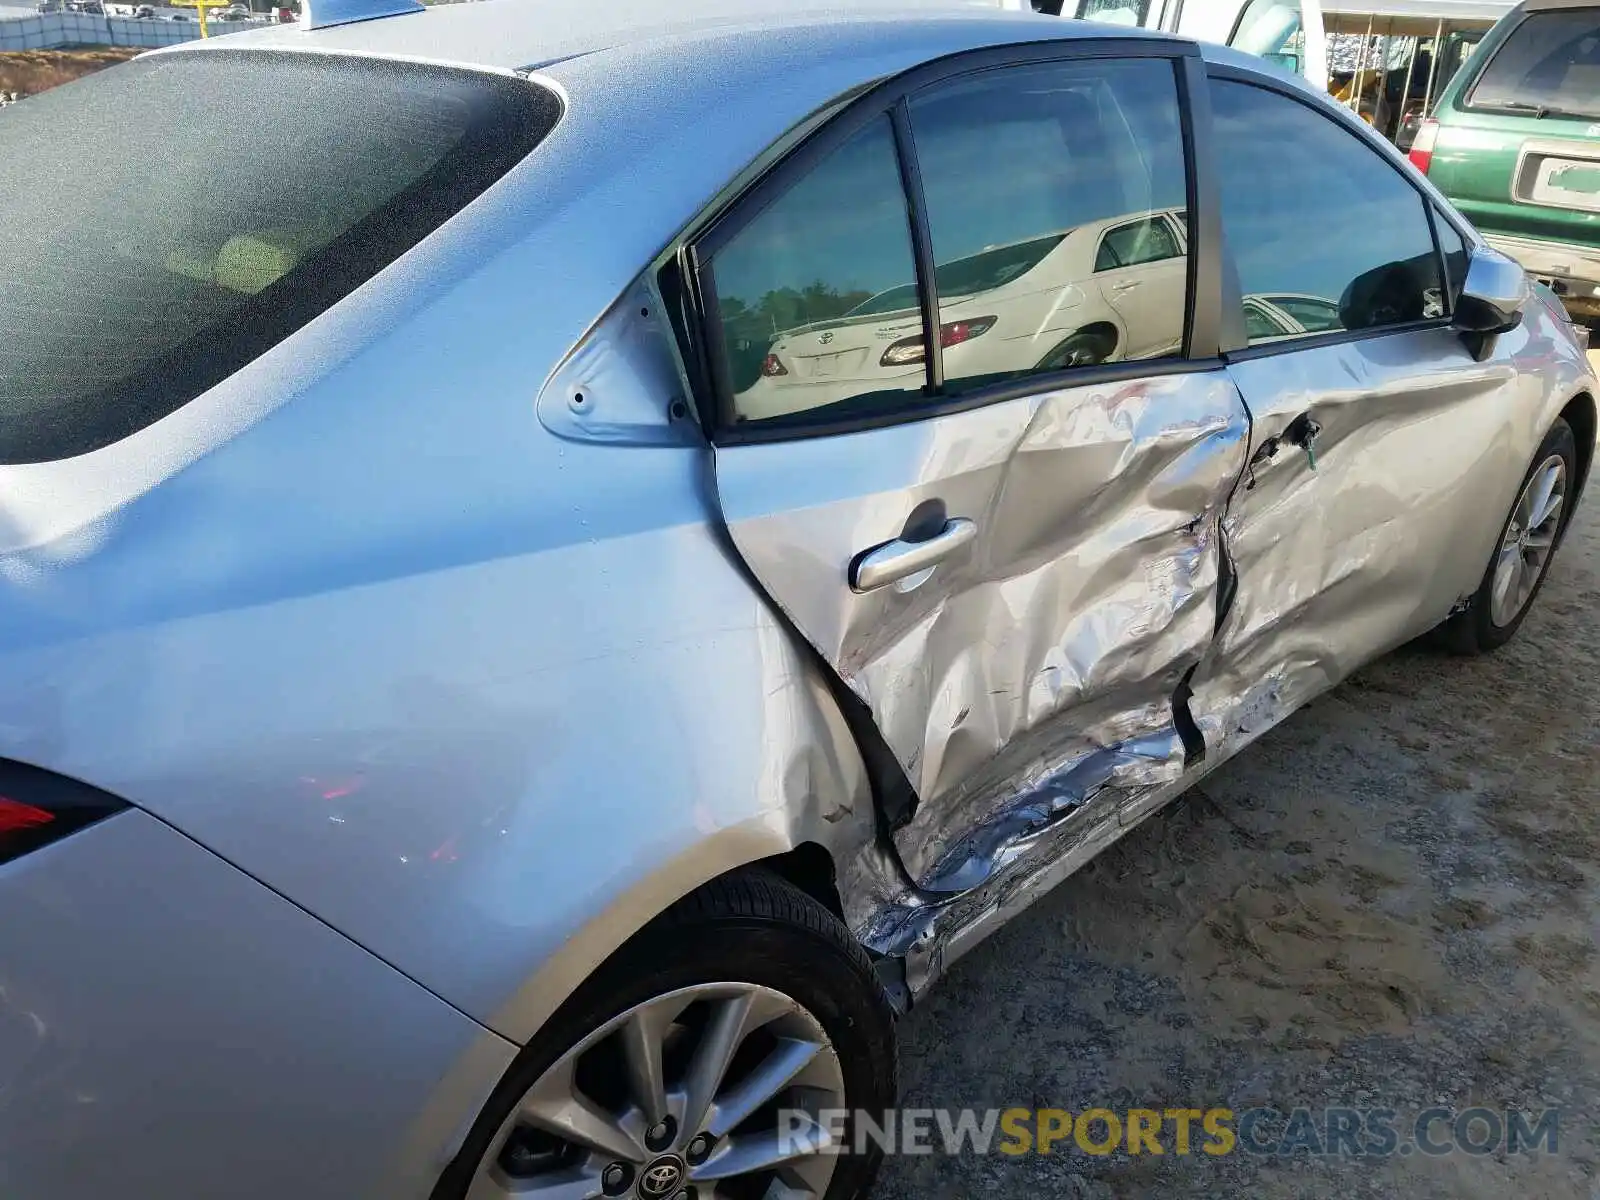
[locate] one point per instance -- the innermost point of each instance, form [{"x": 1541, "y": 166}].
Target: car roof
[
  {"x": 524, "y": 34},
  {"x": 669, "y": 100},
  {"x": 661, "y": 116}
]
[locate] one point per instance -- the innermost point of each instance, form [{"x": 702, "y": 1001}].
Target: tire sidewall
[
  {"x": 1100, "y": 341},
  {"x": 811, "y": 969},
  {"x": 1559, "y": 440}
]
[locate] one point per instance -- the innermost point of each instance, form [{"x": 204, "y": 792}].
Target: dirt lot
[
  {"x": 30, "y": 72},
  {"x": 1391, "y": 901}
]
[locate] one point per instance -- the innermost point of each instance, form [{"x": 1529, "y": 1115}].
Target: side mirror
[{"x": 1494, "y": 295}]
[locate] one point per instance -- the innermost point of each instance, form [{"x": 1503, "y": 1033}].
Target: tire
[
  {"x": 750, "y": 928},
  {"x": 1084, "y": 348},
  {"x": 1485, "y": 625}
]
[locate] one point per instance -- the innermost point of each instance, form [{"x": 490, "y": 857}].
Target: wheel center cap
[{"x": 661, "y": 1177}]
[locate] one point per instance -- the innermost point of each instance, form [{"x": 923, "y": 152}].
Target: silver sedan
[{"x": 456, "y": 743}]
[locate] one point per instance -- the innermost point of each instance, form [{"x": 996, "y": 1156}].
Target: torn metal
[
  {"x": 1351, "y": 550},
  {"x": 1034, "y": 677},
  {"x": 1334, "y": 565}
]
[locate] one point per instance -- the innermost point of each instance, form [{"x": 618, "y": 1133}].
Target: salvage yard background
[{"x": 1389, "y": 901}]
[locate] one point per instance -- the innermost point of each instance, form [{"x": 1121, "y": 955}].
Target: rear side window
[
  {"x": 1056, "y": 200},
  {"x": 817, "y": 295},
  {"x": 1550, "y": 64},
  {"x": 151, "y": 249},
  {"x": 1140, "y": 242}
]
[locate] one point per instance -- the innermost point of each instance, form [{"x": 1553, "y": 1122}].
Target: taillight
[
  {"x": 1421, "y": 154},
  {"x": 908, "y": 351},
  {"x": 771, "y": 368},
  {"x": 955, "y": 332},
  {"x": 37, "y": 808}
]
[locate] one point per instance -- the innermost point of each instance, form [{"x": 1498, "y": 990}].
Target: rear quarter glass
[{"x": 151, "y": 250}]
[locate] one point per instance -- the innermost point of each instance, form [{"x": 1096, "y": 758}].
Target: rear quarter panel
[{"x": 482, "y": 699}]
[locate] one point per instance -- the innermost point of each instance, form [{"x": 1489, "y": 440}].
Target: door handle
[
  {"x": 898, "y": 560},
  {"x": 1125, "y": 286},
  {"x": 1303, "y": 431}
]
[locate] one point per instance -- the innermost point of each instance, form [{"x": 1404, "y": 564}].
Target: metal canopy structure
[
  {"x": 1379, "y": 29},
  {"x": 1428, "y": 12}
]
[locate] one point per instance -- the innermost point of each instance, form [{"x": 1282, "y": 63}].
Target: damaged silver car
[{"x": 562, "y": 575}]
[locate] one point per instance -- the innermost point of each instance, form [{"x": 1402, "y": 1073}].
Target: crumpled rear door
[
  {"x": 1037, "y": 667},
  {"x": 1012, "y": 570}
]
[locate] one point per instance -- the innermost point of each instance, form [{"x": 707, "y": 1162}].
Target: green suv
[{"x": 1515, "y": 143}]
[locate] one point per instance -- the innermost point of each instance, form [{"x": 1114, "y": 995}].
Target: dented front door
[{"x": 1385, "y": 452}]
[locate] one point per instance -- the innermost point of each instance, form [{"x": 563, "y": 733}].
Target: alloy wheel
[
  {"x": 1078, "y": 351},
  {"x": 677, "y": 1098},
  {"x": 1529, "y": 541}
]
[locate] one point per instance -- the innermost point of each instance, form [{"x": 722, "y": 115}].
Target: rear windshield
[
  {"x": 1550, "y": 65},
  {"x": 164, "y": 222},
  {"x": 967, "y": 276}
]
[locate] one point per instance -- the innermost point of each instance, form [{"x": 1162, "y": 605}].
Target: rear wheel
[
  {"x": 1082, "y": 349},
  {"x": 1523, "y": 555},
  {"x": 696, "y": 1064}
]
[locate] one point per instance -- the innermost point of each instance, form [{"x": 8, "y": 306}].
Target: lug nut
[
  {"x": 616, "y": 1178},
  {"x": 659, "y": 1136},
  {"x": 699, "y": 1149}
]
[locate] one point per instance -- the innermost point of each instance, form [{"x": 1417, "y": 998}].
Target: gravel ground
[{"x": 1389, "y": 901}]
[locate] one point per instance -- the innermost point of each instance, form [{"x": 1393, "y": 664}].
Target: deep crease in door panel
[
  {"x": 1034, "y": 678},
  {"x": 1278, "y": 646},
  {"x": 1052, "y": 681},
  {"x": 1418, "y": 457}
]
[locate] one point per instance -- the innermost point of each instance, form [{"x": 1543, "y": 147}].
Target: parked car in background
[
  {"x": 1110, "y": 289},
  {"x": 461, "y": 740},
  {"x": 1515, "y": 143},
  {"x": 1267, "y": 318}
]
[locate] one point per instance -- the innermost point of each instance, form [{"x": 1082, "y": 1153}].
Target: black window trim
[
  {"x": 890, "y": 100},
  {"x": 1228, "y": 73},
  {"x": 1439, "y": 216},
  {"x": 905, "y": 148}
]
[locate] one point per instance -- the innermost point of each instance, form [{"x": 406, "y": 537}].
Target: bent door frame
[{"x": 1204, "y": 320}]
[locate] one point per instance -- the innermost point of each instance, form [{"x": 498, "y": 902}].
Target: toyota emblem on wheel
[{"x": 660, "y": 1178}]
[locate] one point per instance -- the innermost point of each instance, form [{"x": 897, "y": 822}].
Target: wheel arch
[
  {"x": 1580, "y": 414},
  {"x": 1100, "y": 325},
  {"x": 810, "y": 867},
  {"x": 810, "y": 818},
  {"x": 1103, "y": 325}
]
